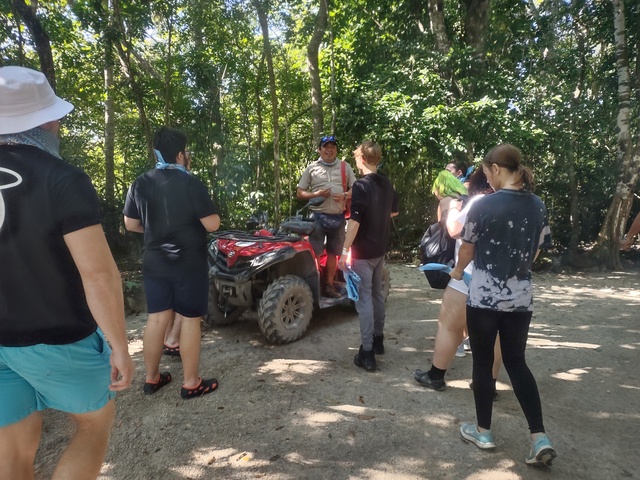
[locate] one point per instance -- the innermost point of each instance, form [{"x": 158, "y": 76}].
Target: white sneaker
[
  {"x": 460, "y": 351},
  {"x": 467, "y": 345}
]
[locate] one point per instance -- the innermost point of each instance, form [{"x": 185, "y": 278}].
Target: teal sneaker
[
  {"x": 483, "y": 440},
  {"x": 542, "y": 453}
]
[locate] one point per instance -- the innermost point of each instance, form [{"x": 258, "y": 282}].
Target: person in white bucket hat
[{"x": 60, "y": 290}]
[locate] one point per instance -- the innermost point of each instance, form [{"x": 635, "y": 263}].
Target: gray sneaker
[
  {"x": 423, "y": 379},
  {"x": 483, "y": 440},
  {"x": 542, "y": 453},
  {"x": 461, "y": 352}
]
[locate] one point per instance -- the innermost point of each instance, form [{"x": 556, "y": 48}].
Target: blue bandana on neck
[{"x": 162, "y": 165}]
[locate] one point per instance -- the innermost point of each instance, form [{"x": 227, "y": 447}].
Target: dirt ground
[{"x": 304, "y": 411}]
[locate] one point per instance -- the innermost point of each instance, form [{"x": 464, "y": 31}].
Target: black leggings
[{"x": 483, "y": 325}]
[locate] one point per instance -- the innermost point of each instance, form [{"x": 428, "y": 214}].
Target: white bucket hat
[{"x": 27, "y": 100}]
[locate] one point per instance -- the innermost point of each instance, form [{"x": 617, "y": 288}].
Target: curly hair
[{"x": 446, "y": 185}]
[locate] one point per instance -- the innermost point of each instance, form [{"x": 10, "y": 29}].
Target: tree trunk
[
  {"x": 259, "y": 124},
  {"x": 608, "y": 246},
  {"x": 438, "y": 27},
  {"x": 317, "y": 115},
  {"x": 262, "y": 17},
  {"x": 574, "y": 206},
  {"x": 476, "y": 25},
  {"x": 40, "y": 39},
  {"x": 169, "y": 67},
  {"x": 124, "y": 49},
  {"x": 112, "y": 217}
]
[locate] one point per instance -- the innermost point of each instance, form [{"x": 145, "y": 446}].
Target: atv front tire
[
  {"x": 220, "y": 316},
  {"x": 285, "y": 309}
]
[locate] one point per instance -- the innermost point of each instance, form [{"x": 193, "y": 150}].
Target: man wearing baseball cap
[
  {"x": 60, "y": 290},
  {"x": 324, "y": 178}
]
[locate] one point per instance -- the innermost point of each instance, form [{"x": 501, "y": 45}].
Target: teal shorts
[{"x": 72, "y": 378}]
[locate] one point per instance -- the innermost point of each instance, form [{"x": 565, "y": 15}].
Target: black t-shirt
[
  {"x": 42, "y": 198},
  {"x": 170, "y": 204},
  {"x": 372, "y": 202}
]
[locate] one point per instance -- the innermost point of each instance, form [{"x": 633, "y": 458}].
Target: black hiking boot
[
  {"x": 366, "y": 360},
  {"x": 378, "y": 344}
]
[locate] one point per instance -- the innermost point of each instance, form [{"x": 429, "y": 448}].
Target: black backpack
[{"x": 437, "y": 246}]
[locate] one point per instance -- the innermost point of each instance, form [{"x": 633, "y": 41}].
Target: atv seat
[{"x": 297, "y": 226}]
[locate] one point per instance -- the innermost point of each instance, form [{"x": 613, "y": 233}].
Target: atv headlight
[{"x": 263, "y": 259}]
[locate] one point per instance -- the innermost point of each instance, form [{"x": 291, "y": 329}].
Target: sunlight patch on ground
[
  {"x": 288, "y": 370},
  {"x": 566, "y": 294},
  {"x": 189, "y": 471},
  {"x": 209, "y": 457},
  {"x": 409, "y": 349},
  {"x": 356, "y": 410},
  {"x": 135, "y": 346},
  {"x": 497, "y": 473},
  {"x": 299, "y": 459},
  {"x": 630, "y": 387},
  {"x": 615, "y": 416},
  {"x": 545, "y": 343},
  {"x": 573, "y": 375},
  {"x": 406, "y": 290},
  {"x": 381, "y": 474},
  {"x": 441, "y": 421},
  {"x": 324, "y": 418}
]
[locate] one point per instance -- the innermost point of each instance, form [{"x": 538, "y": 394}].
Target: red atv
[{"x": 275, "y": 274}]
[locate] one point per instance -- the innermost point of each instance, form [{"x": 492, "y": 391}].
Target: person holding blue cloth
[{"x": 373, "y": 203}]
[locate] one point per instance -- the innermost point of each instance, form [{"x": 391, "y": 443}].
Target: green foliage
[{"x": 545, "y": 81}]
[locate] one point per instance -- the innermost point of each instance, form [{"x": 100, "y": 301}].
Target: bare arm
[
  {"x": 211, "y": 223},
  {"x": 454, "y": 227},
  {"x": 103, "y": 290},
  {"x": 307, "y": 195},
  {"x": 443, "y": 207},
  {"x": 133, "y": 224},
  {"x": 465, "y": 255},
  {"x": 350, "y": 236}
]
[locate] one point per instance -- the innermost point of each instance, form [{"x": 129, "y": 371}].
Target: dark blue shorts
[
  {"x": 187, "y": 295},
  {"x": 334, "y": 239}
]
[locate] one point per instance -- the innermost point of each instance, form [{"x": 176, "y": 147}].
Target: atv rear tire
[
  {"x": 285, "y": 309},
  {"x": 220, "y": 317}
]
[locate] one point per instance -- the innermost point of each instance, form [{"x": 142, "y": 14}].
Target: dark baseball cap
[{"x": 328, "y": 139}]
